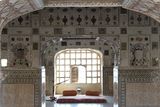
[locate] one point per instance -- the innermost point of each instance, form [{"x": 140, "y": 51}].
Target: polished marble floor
[
  {"x": 51, "y": 104},
  {"x": 108, "y": 104}
]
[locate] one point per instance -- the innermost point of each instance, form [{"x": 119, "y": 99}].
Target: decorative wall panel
[
  {"x": 137, "y": 19},
  {"x": 139, "y": 51},
  {"x": 20, "y": 49},
  {"x": 140, "y": 84},
  {"x": 30, "y": 76},
  {"x": 81, "y": 27},
  {"x": 18, "y": 95},
  {"x": 11, "y": 9},
  {"x": 22, "y": 21},
  {"x": 108, "y": 81},
  {"x": 142, "y": 95},
  {"x": 80, "y": 16},
  {"x": 50, "y": 23}
]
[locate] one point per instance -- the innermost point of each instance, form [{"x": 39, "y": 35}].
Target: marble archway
[{"x": 115, "y": 46}]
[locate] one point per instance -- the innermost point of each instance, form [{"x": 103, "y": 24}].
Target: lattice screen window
[{"x": 78, "y": 65}]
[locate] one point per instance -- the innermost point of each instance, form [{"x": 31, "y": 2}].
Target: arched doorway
[
  {"x": 82, "y": 67},
  {"x": 114, "y": 46}
]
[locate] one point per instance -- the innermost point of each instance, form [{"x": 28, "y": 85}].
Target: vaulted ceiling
[{"x": 9, "y": 9}]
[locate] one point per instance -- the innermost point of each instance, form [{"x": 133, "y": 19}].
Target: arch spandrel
[
  {"x": 10, "y": 9},
  {"x": 148, "y": 7}
]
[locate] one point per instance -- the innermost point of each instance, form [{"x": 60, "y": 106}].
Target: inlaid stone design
[
  {"x": 20, "y": 51},
  {"x": 139, "y": 52}
]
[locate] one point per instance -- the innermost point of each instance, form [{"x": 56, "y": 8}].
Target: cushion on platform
[
  {"x": 69, "y": 93},
  {"x": 92, "y": 93}
]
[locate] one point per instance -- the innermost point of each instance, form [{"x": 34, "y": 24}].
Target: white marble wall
[
  {"x": 17, "y": 95},
  {"x": 142, "y": 95}
]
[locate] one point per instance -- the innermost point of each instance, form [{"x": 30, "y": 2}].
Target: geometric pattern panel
[
  {"x": 140, "y": 75},
  {"x": 138, "y": 19},
  {"x": 22, "y": 21},
  {"x": 25, "y": 32},
  {"x": 142, "y": 95},
  {"x": 80, "y": 16},
  {"x": 29, "y": 76},
  {"x": 150, "y": 78}
]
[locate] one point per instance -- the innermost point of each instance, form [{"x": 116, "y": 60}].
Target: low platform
[{"x": 81, "y": 99}]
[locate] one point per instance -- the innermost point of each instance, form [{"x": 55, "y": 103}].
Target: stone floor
[{"x": 51, "y": 104}]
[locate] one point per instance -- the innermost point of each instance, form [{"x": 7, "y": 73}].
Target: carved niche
[
  {"x": 139, "y": 55},
  {"x": 20, "y": 52}
]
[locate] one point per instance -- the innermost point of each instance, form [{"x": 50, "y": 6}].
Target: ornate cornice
[
  {"x": 82, "y": 3},
  {"x": 148, "y": 7}
]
